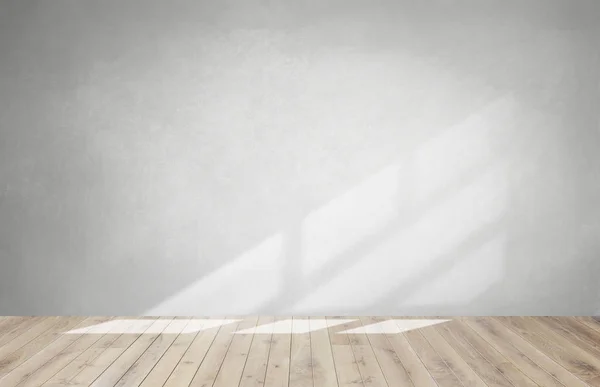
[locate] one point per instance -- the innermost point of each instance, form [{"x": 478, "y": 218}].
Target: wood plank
[
  {"x": 233, "y": 365},
  {"x": 4, "y": 319},
  {"x": 258, "y": 357},
  {"x": 415, "y": 368},
  {"x": 346, "y": 368},
  {"x": 278, "y": 368},
  {"x": 35, "y": 346},
  {"x": 486, "y": 371},
  {"x": 391, "y": 366},
  {"x": 507, "y": 368},
  {"x": 574, "y": 359},
  {"x": 592, "y": 322},
  {"x": 111, "y": 375},
  {"x": 324, "y": 372},
  {"x": 495, "y": 335},
  {"x": 16, "y": 328},
  {"x": 469, "y": 352},
  {"x": 24, "y": 336},
  {"x": 159, "y": 375},
  {"x": 44, "y": 351},
  {"x": 367, "y": 363},
  {"x": 58, "y": 354},
  {"x": 548, "y": 364},
  {"x": 301, "y": 372},
  {"x": 457, "y": 364},
  {"x": 209, "y": 368},
  {"x": 437, "y": 367},
  {"x": 64, "y": 376},
  {"x": 578, "y": 334},
  {"x": 10, "y": 324},
  {"x": 96, "y": 367},
  {"x": 186, "y": 369},
  {"x": 580, "y": 330},
  {"x": 342, "y": 339},
  {"x": 136, "y": 374}
]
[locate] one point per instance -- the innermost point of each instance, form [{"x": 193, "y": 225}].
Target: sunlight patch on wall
[
  {"x": 461, "y": 148},
  {"x": 411, "y": 255},
  {"x": 471, "y": 276},
  {"x": 349, "y": 218},
  {"x": 443, "y": 227},
  {"x": 447, "y": 230},
  {"x": 241, "y": 285}
]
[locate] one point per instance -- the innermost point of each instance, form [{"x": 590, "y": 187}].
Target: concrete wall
[{"x": 306, "y": 157}]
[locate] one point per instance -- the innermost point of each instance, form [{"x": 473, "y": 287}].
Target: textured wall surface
[{"x": 307, "y": 157}]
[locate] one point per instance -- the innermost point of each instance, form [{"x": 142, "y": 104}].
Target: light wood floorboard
[{"x": 269, "y": 351}]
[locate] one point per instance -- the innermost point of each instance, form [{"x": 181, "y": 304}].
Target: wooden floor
[{"x": 499, "y": 351}]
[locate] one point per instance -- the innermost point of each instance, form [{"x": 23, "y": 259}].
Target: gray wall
[{"x": 307, "y": 157}]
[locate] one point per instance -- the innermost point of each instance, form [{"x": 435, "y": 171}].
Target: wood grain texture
[
  {"x": 55, "y": 356},
  {"x": 93, "y": 369},
  {"x": 437, "y": 367},
  {"x": 71, "y": 370},
  {"x": 368, "y": 365},
  {"x": 491, "y": 375},
  {"x": 497, "y": 337},
  {"x": 27, "y": 359},
  {"x": 278, "y": 366},
  {"x": 235, "y": 360},
  {"x": 210, "y": 366},
  {"x": 300, "y": 352},
  {"x": 162, "y": 370},
  {"x": 136, "y": 374},
  {"x": 575, "y": 359},
  {"x": 258, "y": 358},
  {"x": 346, "y": 367},
  {"x": 455, "y": 363},
  {"x": 415, "y": 368},
  {"x": 192, "y": 358},
  {"x": 11, "y": 327},
  {"x": 324, "y": 371},
  {"x": 301, "y": 370},
  {"x": 494, "y": 357},
  {"x": 128, "y": 363},
  {"x": 391, "y": 366}
]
